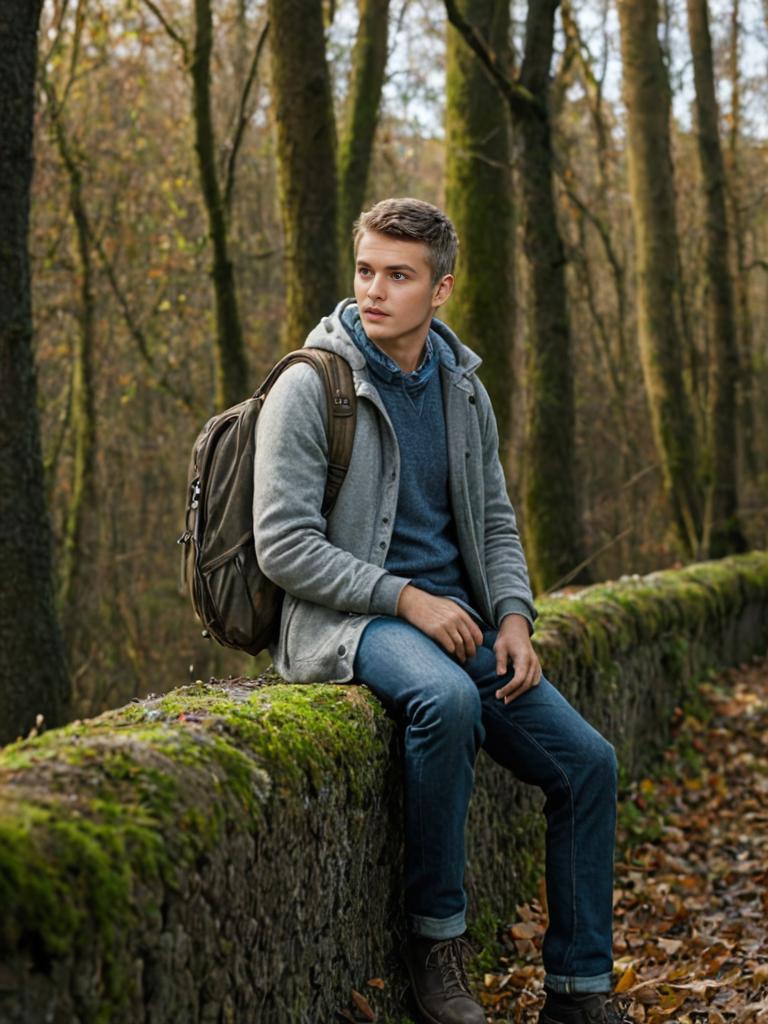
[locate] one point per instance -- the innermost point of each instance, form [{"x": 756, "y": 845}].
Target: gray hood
[{"x": 331, "y": 334}]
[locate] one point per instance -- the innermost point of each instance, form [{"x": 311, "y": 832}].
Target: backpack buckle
[{"x": 341, "y": 405}]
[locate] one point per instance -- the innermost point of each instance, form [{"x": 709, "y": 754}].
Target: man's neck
[{"x": 408, "y": 354}]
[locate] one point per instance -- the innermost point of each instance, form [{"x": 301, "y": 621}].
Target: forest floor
[{"x": 691, "y": 888}]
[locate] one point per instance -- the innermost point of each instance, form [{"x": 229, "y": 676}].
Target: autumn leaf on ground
[{"x": 362, "y": 1006}]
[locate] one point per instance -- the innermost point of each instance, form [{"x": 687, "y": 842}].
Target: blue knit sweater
[{"x": 423, "y": 546}]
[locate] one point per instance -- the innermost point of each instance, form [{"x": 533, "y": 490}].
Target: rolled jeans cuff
[
  {"x": 438, "y": 927},
  {"x": 570, "y": 985}
]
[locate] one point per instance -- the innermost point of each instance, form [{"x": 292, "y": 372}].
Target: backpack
[{"x": 235, "y": 602}]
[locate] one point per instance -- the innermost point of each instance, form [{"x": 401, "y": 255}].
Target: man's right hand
[{"x": 442, "y": 619}]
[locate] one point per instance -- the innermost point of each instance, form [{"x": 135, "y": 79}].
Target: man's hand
[
  {"x": 513, "y": 644},
  {"x": 442, "y": 619}
]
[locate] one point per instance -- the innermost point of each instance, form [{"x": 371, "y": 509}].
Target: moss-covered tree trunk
[
  {"x": 738, "y": 219},
  {"x": 478, "y": 191},
  {"x": 723, "y": 534},
  {"x": 33, "y": 676},
  {"x": 80, "y": 504},
  {"x": 369, "y": 62},
  {"x": 647, "y": 99},
  {"x": 306, "y": 157},
  {"x": 231, "y": 363},
  {"x": 552, "y": 517}
]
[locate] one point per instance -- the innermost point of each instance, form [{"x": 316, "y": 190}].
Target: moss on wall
[{"x": 231, "y": 851}]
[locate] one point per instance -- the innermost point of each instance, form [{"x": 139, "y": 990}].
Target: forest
[{"x": 180, "y": 182}]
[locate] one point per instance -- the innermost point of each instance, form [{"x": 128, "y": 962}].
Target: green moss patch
[{"x": 137, "y": 794}]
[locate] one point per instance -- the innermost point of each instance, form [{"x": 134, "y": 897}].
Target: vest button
[
  {"x": 472, "y": 399},
  {"x": 385, "y": 519},
  {"x": 341, "y": 651},
  {"x": 382, "y": 545}
]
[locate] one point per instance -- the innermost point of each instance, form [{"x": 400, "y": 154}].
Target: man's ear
[{"x": 443, "y": 290}]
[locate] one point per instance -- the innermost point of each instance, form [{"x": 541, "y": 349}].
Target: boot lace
[
  {"x": 614, "y": 1010},
  {"x": 450, "y": 957}
]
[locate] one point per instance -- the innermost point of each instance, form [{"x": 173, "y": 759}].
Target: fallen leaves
[
  {"x": 691, "y": 888},
  {"x": 361, "y": 1010},
  {"x": 362, "y": 1006}
]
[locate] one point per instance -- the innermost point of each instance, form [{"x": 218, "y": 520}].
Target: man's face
[{"x": 394, "y": 289}]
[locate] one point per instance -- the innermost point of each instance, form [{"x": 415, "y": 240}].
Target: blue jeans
[{"x": 449, "y": 711}]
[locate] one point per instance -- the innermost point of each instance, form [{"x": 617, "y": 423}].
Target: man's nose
[{"x": 377, "y": 289}]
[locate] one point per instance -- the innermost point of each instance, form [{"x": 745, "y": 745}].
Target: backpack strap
[
  {"x": 341, "y": 410},
  {"x": 341, "y": 404}
]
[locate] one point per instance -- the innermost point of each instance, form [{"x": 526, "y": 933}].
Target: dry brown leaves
[
  {"x": 360, "y": 1009},
  {"x": 691, "y": 896}
]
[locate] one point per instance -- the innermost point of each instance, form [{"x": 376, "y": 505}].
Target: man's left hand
[{"x": 513, "y": 644}]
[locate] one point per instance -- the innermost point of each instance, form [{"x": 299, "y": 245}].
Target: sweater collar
[
  {"x": 455, "y": 358},
  {"x": 382, "y": 366}
]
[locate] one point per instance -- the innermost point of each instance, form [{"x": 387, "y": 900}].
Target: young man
[{"x": 416, "y": 585}]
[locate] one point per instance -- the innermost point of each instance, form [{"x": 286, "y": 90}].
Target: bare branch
[
  {"x": 52, "y": 458},
  {"x": 77, "y": 39},
  {"x": 138, "y": 335},
  {"x": 175, "y": 35},
  {"x": 242, "y": 119},
  {"x": 564, "y": 580},
  {"x": 522, "y": 102},
  {"x": 600, "y": 226},
  {"x": 58, "y": 23}
]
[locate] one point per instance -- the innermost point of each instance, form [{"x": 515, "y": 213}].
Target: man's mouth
[{"x": 375, "y": 312}]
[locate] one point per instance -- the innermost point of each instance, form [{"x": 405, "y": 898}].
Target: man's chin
[{"x": 380, "y": 330}]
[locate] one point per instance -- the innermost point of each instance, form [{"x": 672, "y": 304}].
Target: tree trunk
[
  {"x": 33, "y": 676},
  {"x": 303, "y": 114},
  {"x": 231, "y": 363},
  {"x": 479, "y": 201},
  {"x": 647, "y": 99},
  {"x": 744, "y": 322},
  {"x": 356, "y": 142},
  {"x": 722, "y": 530},
  {"x": 552, "y": 514}
]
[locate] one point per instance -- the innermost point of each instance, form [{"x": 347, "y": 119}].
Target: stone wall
[{"x": 230, "y": 852}]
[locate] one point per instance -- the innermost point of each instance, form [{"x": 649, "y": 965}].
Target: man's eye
[
  {"x": 362, "y": 271},
  {"x": 398, "y": 275}
]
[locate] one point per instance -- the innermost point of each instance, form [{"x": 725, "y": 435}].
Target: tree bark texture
[
  {"x": 744, "y": 320},
  {"x": 33, "y": 675},
  {"x": 552, "y": 517},
  {"x": 479, "y": 201},
  {"x": 231, "y": 384},
  {"x": 232, "y": 852},
  {"x": 306, "y": 157},
  {"x": 722, "y": 530},
  {"x": 647, "y": 99},
  {"x": 369, "y": 62}
]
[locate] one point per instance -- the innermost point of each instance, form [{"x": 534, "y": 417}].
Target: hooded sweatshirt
[{"x": 334, "y": 569}]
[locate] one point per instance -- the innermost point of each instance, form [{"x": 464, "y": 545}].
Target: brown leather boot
[
  {"x": 439, "y": 980},
  {"x": 586, "y": 1008}
]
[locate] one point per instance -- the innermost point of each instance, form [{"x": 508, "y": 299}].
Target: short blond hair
[{"x": 416, "y": 220}]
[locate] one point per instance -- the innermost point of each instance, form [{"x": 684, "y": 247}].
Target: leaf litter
[{"x": 691, "y": 885}]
